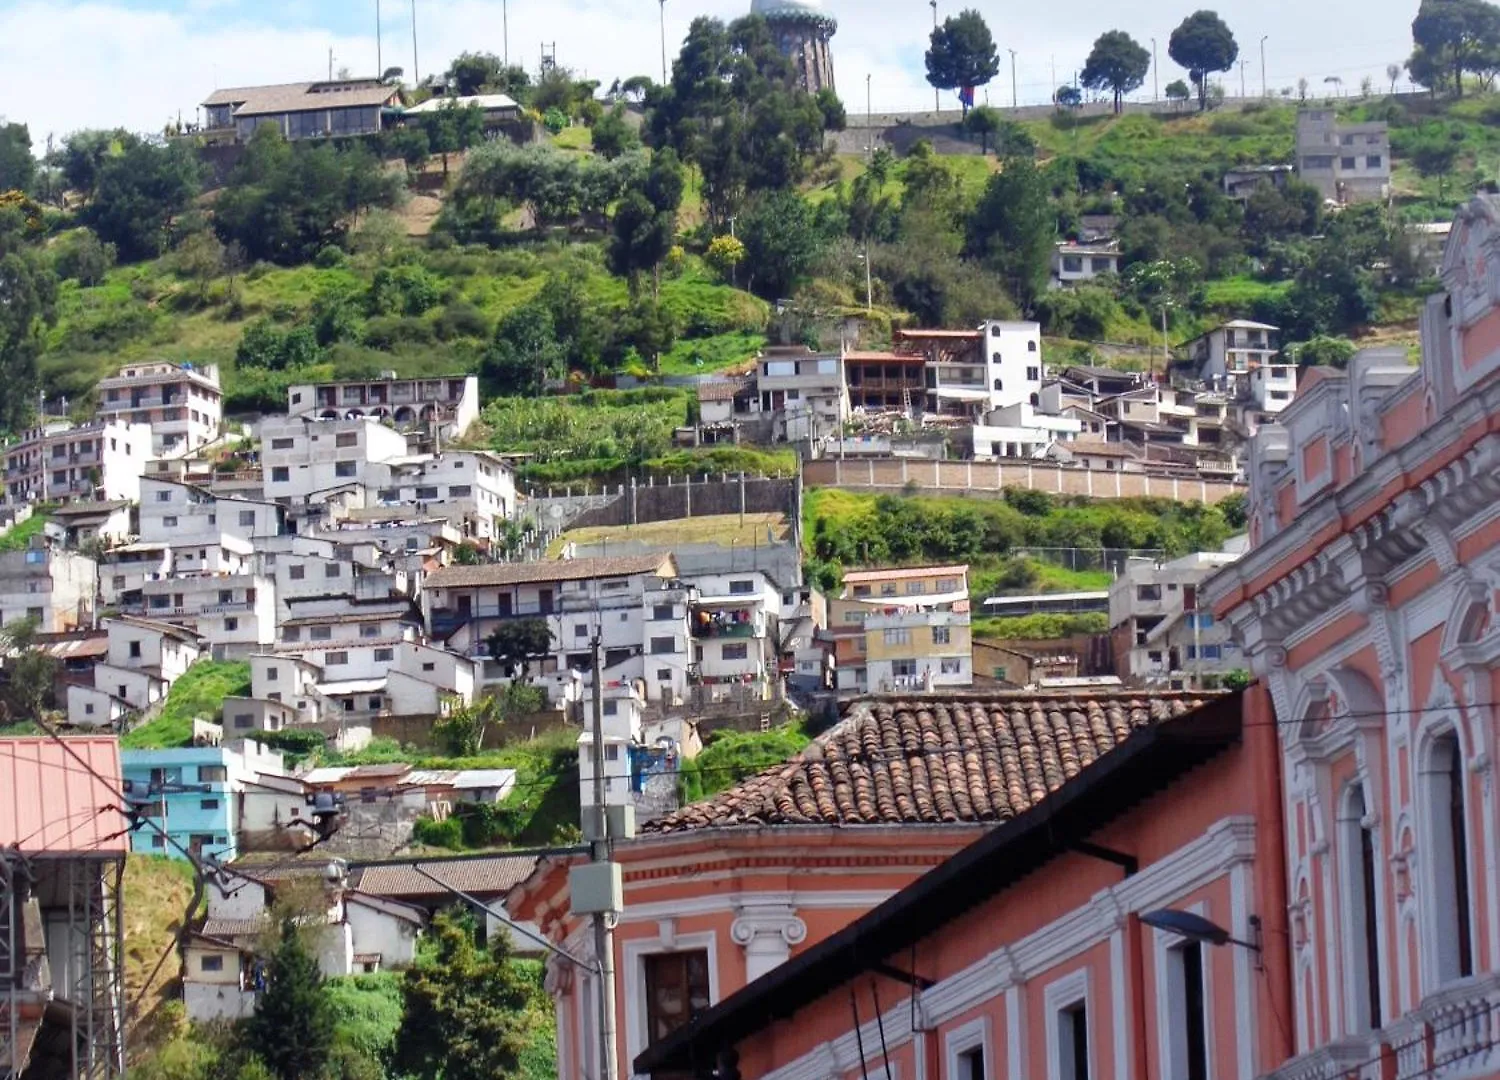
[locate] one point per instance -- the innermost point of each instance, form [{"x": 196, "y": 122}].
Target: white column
[{"x": 767, "y": 934}]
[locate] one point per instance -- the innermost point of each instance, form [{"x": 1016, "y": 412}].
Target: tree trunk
[{"x": 1117, "y": 101}]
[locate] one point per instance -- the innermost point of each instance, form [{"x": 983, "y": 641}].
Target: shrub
[
  {"x": 554, "y": 120},
  {"x": 448, "y": 833},
  {"x": 387, "y": 333},
  {"x": 329, "y": 257},
  {"x": 462, "y": 319}
]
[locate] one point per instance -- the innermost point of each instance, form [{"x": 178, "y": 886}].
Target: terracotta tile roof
[
  {"x": 225, "y": 929},
  {"x": 719, "y": 390},
  {"x": 486, "y": 875},
  {"x": 450, "y": 577},
  {"x": 300, "y": 97},
  {"x": 50, "y": 804},
  {"x": 937, "y": 759}
]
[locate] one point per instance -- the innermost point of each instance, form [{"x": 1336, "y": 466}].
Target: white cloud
[{"x": 97, "y": 63}]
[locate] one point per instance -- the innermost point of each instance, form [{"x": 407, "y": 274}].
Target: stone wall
[
  {"x": 991, "y": 478},
  {"x": 674, "y": 500}
]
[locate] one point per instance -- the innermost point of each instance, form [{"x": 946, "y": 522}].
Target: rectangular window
[
  {"x": 1073, "y": 1042},
  {"x": 231, "y": 624},
  {"x": 320, "y": 633},
  {"x": 676, "y": 991},
  {"x": 283, "y": 444},
  {"x": 662, "y": 612},
  {"x": 947, "y": 585},
  {"x": 740, "y": 651},
  {"x": 942, "y": 635},
  {"x": 384, "y": 656},
  {"x": 1209, "y": 652},
  {"x": 460, "y": 491},
  {"x": 888, "y": 589},
  {"x": 163, "y": 496},
  {"x": 661, "y": 646},
  {"x": 861, "y": 591},
  {"x": 135, "y": 650},
  {"x": 426, "y": 493},
  {"x": 281, "y": 475},
  {"x": 897, "y": 636},
  {"x": 169, "y": 522},
  {"x": 581, "y": 630},
  {"x": 1374, "y": 161},
  {"x": 335, "y": 659},
  {"x": 1347, "y": 163},
  {"x": 212, "y": 774},
  {"x": 244, "y": 720},
  {"x": 247, "y": 519},
  {"x": 1033, "y": 374},
  {"x": 916, "y": 588},
  {"x": 332, "y": 570},
  {"x": 210, "y": 963},
  {"x": 1147, "y": 593},
  {"x": 272, "y": 674},
  {"x": 971, "y": 1064},
  {"x": 951, "y": 667},
  {"x": 344, "y": 469},
  {"x": 741, "y": 588},
  {"x": 1186, "y": 1014},
  {"x": 346, "y": 438},
  {"x": 208, "y": 804},
  {"x": 297, "y": 573}
]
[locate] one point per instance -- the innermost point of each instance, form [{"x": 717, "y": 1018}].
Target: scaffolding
[{"x": 61, "y": 992}]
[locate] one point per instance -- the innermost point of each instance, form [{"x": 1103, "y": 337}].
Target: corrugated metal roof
[
  {"x": 50, "y": 804},
  {"x": 549, "y": 570},
  {"x": 485, "y": 778},
  {"x": 903, "y": 573}
]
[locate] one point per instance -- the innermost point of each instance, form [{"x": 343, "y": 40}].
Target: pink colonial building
[{"x": 1367, "y": 607}]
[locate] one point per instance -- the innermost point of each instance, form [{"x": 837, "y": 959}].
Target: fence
[{"x": 991, "y": 478}]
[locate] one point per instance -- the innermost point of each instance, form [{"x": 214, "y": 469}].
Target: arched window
[
  {"x": 1361, "y": 924},
  {"x": 1448, "y": 841}
]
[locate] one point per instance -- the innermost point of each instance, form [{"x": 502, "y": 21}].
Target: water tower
[{"x": 802, "y": 29}]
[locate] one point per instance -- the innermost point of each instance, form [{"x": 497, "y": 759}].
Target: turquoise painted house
[{"x": 191, "y": 793}]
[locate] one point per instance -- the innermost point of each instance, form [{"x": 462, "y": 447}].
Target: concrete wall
[
  {"x": 992, "y": 477},
  {"x": 703, "y": 497},
  {"x": 417, "y": 730}
]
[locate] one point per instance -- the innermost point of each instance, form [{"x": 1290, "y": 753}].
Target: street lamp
[
  {"x": 1195, "y": 927},
  {"x": 1154, "y": 95},
  {"x": 869, "y": 293},
  {"x": 936, "y": 105},
  {"x": 1013, "y": 101},
  {"x": 1264, "y": 91}
]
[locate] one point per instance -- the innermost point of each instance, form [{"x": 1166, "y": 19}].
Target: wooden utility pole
[{"x": 604, "y": 935}]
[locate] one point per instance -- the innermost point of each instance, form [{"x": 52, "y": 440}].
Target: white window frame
[
  {"x": 1171, "y": 1052},
  {"x": 1436, "y": 896},
  {"x": 633, "y": 956},
  {"x": 1058, "y": 996},
  {"x": 965, "y": 1037},
  {"x": 1350, "y": 827}
]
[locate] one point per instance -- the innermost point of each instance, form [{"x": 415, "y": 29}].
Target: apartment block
[
  {"x": 451, "y": 402},
  {"x": 472, "y": 489},
  {"x": 1345, "y": 162},
  {"x": 193, "y": 795},
  {"x": 143, "y": 659},
  {"x": 635, "y": 605},
  {"x": 58, "y": 462},
  {"x": 182, "y": 403},
  {"x": 734, "y": 622},
  {"x": 901, "y": 628},
  {"x": 805, "y": 390},
  {"x": 191, "y": 516},
  {"x": 234, "y": 613},
  {"x": 307, "y": 460},
  {"x": 53, "y": 588},
  {"x": 1160, "y": 634}
]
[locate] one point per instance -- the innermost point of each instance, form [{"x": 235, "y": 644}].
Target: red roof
[{"x": 50, "y": 804}]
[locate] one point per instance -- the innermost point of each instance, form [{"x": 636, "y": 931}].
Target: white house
[
  {"x": 235, "y": 613},
  {"x": 188, "y": 515},
  {"x": 306, "y": 460},
  {"x": 1022, "y": 431},
  {"x": 58, "y": 462},
  {"x": 1161, "y": 635},
  {"x": 1074, "y": 262},
  {"x": 181, "y": 404},
  {"x": 53, "y": 588},
  {"x": 733, "y": 620},
  {"x": 473, "y": 489}
]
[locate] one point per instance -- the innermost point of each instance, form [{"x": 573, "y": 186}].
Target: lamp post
[
  {"x": 1013, "y": 97},
  {"x": 1243, "y": 62},
  {"x": 869, "y": 122},
  {"x": 416, "y": 69},
  {"x": 664, "y": 42},
  {"x": 1154, "y": 95},
  {"x": 505, "y": 30},
  {"x": 1264, "y": 89},
  {"x": 936, "y": 104},
  {"x": 379, "y": 62},
  {"x": 1195, "y": 927}
]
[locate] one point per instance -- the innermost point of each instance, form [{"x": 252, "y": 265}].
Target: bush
[
  {"x": 387, "y": 334},
  {"x": 461, "y": 319},
  {"x": 448, "y": 833},
  {"x": 329, "y": 257},
  {"x": 554, "y": 120}
]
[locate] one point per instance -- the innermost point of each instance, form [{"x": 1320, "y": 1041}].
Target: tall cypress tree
[{"x": 292, "y": 1028}]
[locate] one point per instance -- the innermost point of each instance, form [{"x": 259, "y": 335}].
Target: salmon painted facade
[
  {"x": 726, "y": 892},
  {"x": 1367, "y": 608},
  {"x": 1038, "y": 950}
]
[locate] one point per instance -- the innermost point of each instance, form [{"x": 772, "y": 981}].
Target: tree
[
  {"x": 1068, "y": 97},
  {"x": 724, "y": 254},
  {"x": 637, "y": 87},
  {"x": 1178, "y": 92},
  {"x": 1013, "y": 229},
  {"x": 292, "y": 1027},
  {"x": 466, "y": 1008},
  {"x": 29, "y": 673},
  {"x": 28, "y": 299},
  {"x": 1393, "y": 72},
  {"x": 983, "y": 121},
  {"x": 200, "y": 258},
  {"x": 81, "y": 256},
  {"x": 524, "y": 353},
  {"x": 1435, "y": 153},
  {"x": 1323, "y": 351},
  {"x": 1455, "y": 35},
  {"x": 780, "y": 242},
  {"x": 1203, "y": 45},
  {"x": 962, "y": 53},
  {"x": 516, "y": 643},
  {"x": 17, "y": 165},
  {"x": 471, "y": 72},
  {"x": 1118, "y": 63},
  {"x": 138, "y": 195},
  {"x": 645, "y": 224},
  {"x": 613, "y": 135}
]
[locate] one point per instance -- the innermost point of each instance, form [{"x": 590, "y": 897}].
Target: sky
[{"x": 138, "y": 64}]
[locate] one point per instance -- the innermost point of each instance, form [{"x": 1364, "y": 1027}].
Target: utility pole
[
  {"x": 604, "y": 935},
  {"x": 1242, "y": 78},
  {"x": 1155, "y": 96},
  {"x": 664, "y": 42},
  {"x": 416, "y": 70},
  {"x": 379, "y": 61},
  {"x": 505, "y": 30},
  {"x": 1264, "y": 89},
  {"x": 330, "y": 64},
  {"x": 869, "y": 122},
  {"x": 936, "y": 104},
  {"x": 1052, "y": 93},
  {"x": 1014, "y": 97}
]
